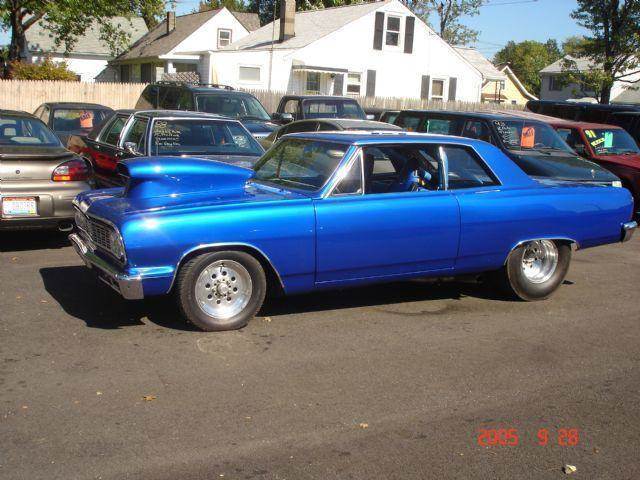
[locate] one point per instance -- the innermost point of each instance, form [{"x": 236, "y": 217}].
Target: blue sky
[{"x": 499, "y": 21}]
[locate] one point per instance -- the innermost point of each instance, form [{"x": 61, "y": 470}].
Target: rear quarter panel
[{"x": 493, "y": 222}]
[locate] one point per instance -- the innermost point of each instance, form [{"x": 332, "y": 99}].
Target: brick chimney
[
  {"x": 287, "y": 19},
  {"x": 171, "y": 22}
]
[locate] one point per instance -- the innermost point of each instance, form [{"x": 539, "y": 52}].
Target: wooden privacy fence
[{"x": 27, "y": 95}]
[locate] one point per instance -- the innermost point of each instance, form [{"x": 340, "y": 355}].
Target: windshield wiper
[{"x": 286, "y": 180}]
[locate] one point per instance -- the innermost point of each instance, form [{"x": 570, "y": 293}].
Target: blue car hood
[{"x": 163, "y": 184}]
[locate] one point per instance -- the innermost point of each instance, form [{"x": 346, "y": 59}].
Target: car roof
[
  {"x": 318, "y": 97},
  {"x": 17, "y": 113},
  {"x": 561, "y": 122},
  {"x": 179, "y": 114},
  {"x": 354, "y": 124},
  {"x": 363, "y": 138},
  {"x": 487, "y": 115},
  {"x": 96, "y": 106}
]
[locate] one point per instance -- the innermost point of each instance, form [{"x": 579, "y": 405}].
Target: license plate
[{"x": 19, "y": 207}]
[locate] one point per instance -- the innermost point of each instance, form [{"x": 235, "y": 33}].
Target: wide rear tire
[
  {"x": 221, "y": 290},
  {"x": 535, "y": 270}
]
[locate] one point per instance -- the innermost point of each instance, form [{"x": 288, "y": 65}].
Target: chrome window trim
[{"x": 356, "y": 157}]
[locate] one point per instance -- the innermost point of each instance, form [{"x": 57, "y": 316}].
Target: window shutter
[
  {"x": 424, "y": 89},
  {"x": 371, "y": 83},
  {"x": 378, "y": 31},
  {"x": 338, "y": 84},
  {"x": 453, "y": 85},
  {"x": 408, "y": 34}
]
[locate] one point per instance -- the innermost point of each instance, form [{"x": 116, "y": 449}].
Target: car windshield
[
  {"x": 299, "y": 163},
  {"x": 328, "y": 108},
  {"x": 242, "y": 107},
  {"x": 77, "y": 119},
  {"x": 524, "y": 135},
  {"x": 16, "y": 130},
  {"x": 611, "y": 141},
  {"x": 202, "y": 137}
]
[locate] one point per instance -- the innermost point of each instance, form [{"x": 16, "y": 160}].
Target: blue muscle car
[{"x": 326, "y": 210}]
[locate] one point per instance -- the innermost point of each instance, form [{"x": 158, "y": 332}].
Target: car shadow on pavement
[
  {"x": 380, "y": 294},
  {"x": 19, "y": 241},
  {"x": 83, "y": 296}
]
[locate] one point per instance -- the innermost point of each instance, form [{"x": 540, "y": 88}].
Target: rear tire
[
  {"x": 535, "y": 270},
  {"x": 221, "y": 290}
]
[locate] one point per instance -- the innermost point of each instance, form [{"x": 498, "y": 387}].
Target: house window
[
  {"x": 437, "y": 89},
  {"x": 393, "y": 31},
  {"x": 186, "y": 67},
  {"x": 249, "y": 74},
  {"x": 354, "y": 81},
  {"x": 502, "y": 85},
  {"x": 313, "y": 82},
  {"x": 224, "y": 37},
  {"x": 554, "y": 84}
]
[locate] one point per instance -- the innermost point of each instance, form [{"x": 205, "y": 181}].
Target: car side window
[
  {"x": 466, "y": 169},
  {"x": 351, "y": 182},
  {"x": 410, "y": 122},
  {"x": 185, "y": 101},
  {"x": 402, "y": 168},
  {"x": 476, "y": 129},
  {"x": 112, "y": 132},
  {"x": 170, "y": 99},
  {"x": 326, "y": 127},
  {"x": 291, "y": 106},
  {"x": 137, "y": 134}
]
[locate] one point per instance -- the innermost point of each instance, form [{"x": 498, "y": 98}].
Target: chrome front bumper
[
  {"x": 627, "y": 230},
  {"x": 129, "y": 287}
]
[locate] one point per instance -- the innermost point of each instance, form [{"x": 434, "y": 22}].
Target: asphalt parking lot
[{"x": 386, "y": 382}]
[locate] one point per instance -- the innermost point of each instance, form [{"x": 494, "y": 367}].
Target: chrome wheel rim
[
  {"x": 539, "y": 260},
  {"x": 223, "y": 289}
]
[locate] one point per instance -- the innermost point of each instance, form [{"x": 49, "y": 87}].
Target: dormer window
[
  {"x": 393, "y": 31},
  {"x": 224, "y": 37}
]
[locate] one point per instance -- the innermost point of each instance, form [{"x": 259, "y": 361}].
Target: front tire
[
  {"x": 535, "y": 269},
  {"x": 221, "y": 290}
]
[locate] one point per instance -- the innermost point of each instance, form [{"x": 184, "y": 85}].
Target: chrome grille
[{"x": 100, "y": 235}]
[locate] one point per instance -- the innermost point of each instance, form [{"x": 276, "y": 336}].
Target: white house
[
  {"x": 373, "y": 49},
  {"x": 90, "y": 54},
  {"x": 553, "y": 88},
  {"x": 184, "y": 43}
]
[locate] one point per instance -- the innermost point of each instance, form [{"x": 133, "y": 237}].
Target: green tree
[
  {"x": 614, "y": 40},
  {"x": 449, "y": 13},
  {"x": 270, "y": 9},
  {"x": 527, "y": 58},
  {"x": 66, "y": 20},
  {"x": 233, "y": 5},
  {"x": 574, "y": 46}
]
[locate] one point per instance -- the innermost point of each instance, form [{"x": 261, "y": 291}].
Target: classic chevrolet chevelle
[{"x": 334, "y": 210}]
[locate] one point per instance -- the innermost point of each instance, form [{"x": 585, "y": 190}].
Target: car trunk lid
[{"x": 30, "y": 163}]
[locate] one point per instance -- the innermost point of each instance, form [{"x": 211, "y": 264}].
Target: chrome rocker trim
[
  {"x": 627, "y": 230},
  {"x": 130, "y": 287}
]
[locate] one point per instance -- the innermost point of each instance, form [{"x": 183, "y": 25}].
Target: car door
[
  {"x": 104, "y": 151},
  {"x": 378, "y": 231}
]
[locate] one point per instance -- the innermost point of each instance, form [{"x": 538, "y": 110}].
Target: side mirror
[
  {"x": 282, "y": 117},
  {"x": 130, "y": 147}
]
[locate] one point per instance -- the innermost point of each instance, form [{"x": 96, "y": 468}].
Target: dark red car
[{"x": 608, "y": 145}]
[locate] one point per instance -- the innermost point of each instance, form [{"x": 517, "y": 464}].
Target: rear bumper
[
  {"x": 54, "y": 203},
  {"x": 130, "y": 287},
  {"x": 628, "y": 229}
]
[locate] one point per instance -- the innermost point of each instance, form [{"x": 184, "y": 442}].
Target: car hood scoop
[{"x": 149, "y": 177}]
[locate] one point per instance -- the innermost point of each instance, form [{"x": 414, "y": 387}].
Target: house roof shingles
[
  {"x": 40, "y": 39},
  {"x": 310, "y": 25},
  {"x": 582, "y": 64},
  {"x": 484, "y": 66},
  {"x": 157, "y": 42}
]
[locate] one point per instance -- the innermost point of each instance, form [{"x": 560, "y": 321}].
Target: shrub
[{"x": 46, "y": 70}]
